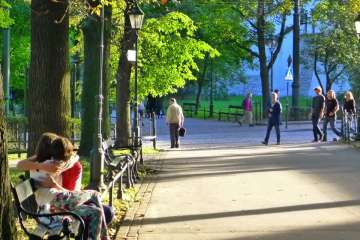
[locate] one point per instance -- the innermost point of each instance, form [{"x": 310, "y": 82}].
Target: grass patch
[
  {"x": 150, "y": 151},
  {"x": 15, "y": 156}
]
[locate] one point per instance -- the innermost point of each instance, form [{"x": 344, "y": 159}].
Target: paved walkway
[{"x": 229, "y": 187}]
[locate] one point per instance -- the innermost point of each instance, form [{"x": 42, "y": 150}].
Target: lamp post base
[{"x": 97, "y": 158}]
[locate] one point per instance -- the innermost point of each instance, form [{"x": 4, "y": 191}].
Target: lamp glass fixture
[{"x": 136, "y": 16}]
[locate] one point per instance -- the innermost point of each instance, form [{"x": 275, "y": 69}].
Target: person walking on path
[
  {"x": 274, "y": 119},
  {"x": 248, "y": 108},
  {"x": 331, "y": 107},
  {"x": 317, "y": 113},
  {"x": 349, "y": 108},
  {"x": 175, "y": 119}
]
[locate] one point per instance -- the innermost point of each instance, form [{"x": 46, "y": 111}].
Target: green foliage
[
  {"x": 216, "y": 27},
  {"x": 169, "y": 51},
  {"x": 5, "y": 19},
  {"x": 20, "y": 46},
  {"x": 335, "y": 43}
]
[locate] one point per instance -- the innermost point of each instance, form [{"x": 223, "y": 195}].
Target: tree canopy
[{"x": 169, "y": 50}]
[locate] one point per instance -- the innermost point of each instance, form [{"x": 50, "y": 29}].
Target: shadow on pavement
[{"x": 304, "y": 207}]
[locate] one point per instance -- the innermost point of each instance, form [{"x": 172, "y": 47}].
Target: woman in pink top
[{"x": 248, "y": 108}]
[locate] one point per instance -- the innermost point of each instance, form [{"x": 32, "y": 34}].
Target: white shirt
[{"x": 45, "y": 195}]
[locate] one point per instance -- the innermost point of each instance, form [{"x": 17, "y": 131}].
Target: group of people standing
[{"x": 326, "y": 108}]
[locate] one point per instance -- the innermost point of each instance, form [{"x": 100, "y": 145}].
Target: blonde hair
[
  {"x": 332, "y": 94},
  {"x": 349, "y": 95}
]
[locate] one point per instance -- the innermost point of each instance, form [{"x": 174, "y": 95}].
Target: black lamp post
[
  {"x": 75, "y": 60},
  {"x": 97, "y": 153},
  {"x": 136, "y": 16},
  {"x": 272, "y": 45}
]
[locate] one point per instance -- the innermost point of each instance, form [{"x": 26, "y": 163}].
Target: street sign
[{"x": 289, "y": 76}]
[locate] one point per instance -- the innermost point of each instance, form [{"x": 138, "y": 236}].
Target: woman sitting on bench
[{"x": 55, "y": 155}]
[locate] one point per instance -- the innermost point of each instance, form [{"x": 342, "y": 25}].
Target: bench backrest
[
  {"x": 23, "y": 191},
  {"x": 24, "y": 196},
  {"x": 235, "y": 106},
  {"x": 189, "y": 106}
]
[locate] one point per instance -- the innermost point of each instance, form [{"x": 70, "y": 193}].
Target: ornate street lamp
[
  {"x": 272, "y": 43},
  {"x": 97, "y": 153},
  {"x": 357, "y": 25},
  {"x": 136, "y": 16}
]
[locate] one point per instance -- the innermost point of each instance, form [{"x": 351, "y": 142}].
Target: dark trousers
[
  {"x": 318, "y": 134},
  {"x": 330, "y": 120},
  {"x": 272, "y": 124},
  {"x": 174, "y": 134}
]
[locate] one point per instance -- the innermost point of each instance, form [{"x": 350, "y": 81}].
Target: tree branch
[
  {"x": 247, "y": 19},
  {"x": 316, "y": 72},
  {"x": 339, "y": 74},
  {"x": 249, "y": 50},
  {"x": 279, "y": 42}
]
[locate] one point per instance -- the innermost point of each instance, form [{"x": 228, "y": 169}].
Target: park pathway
[{"x": 223, "y": 185}]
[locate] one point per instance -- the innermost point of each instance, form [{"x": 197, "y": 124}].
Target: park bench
[
  {"x": 189, "y": 107},
  {"x": 233, "y": 112},
  {"x": 117, "y": 167},
  {"x": 59, "y": 225},
  {"x": 152, "y": 137}
]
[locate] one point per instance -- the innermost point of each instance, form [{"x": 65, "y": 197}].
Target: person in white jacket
[{"x": 175, "y": 119}]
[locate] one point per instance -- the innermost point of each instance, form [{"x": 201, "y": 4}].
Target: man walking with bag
[{"x": 175, "y": 119}]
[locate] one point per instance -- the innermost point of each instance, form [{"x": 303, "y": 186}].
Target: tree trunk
[
  {"x": 90, "y": 87},
  {"x": 123, "y": 127},
  {"x": 49, "y": 83},
  {"x": 89, "y": 98},
  {"x": 107, "y": 73},
  {"x": 7, "y": 225},
  {"x": 200, "y": 83},
  {"x": 264, "y": 73},
  {"x": 317, "y": 73},
  {"x": 329, "y": 82}
]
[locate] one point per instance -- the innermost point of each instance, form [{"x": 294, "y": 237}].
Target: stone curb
[{"x": 137, "y": 211}]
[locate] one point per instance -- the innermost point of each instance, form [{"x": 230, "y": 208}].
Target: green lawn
[{"x": 222, "y": 104}]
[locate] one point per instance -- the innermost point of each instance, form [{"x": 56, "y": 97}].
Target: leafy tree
[
  {"x": 261, "y": 17},
  {"x": 169, "y": 53},
  {"x": 5, "y": 20},
  {"x": 7, "y": 219},
  {"x": 49, "y": 81},
  {"x": 20, "y": 47},
  {"x": 215, "y": 20},
  {"x": 334, "y": 46}
]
